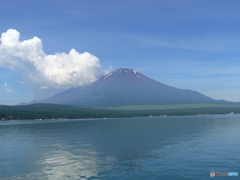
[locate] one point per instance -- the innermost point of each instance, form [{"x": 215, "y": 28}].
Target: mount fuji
[{"x": 124, "y": 87}]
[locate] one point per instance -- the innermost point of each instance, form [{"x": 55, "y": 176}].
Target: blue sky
[{"x": 186, "y": 44}]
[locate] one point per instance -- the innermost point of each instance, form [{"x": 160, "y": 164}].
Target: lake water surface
[{"x": 187, "y": 147}]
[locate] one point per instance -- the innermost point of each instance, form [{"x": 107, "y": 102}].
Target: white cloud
[
  {"x": 5, "y": 85},
  {"x": 21, "y": 82},
  {"x": 45, "y": 74},
  {"x": 216, "y": 43},
  {"x": 43, "y": 87},
  {"x": 8, "y": 90}
]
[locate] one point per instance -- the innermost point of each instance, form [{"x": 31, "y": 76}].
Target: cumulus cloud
[{"x": 44, "y": 74}]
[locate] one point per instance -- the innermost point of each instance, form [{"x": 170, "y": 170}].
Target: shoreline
[{"x": 104, "y": 118}]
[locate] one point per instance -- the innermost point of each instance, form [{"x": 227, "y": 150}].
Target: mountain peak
[{"x": 123, "y": 72}]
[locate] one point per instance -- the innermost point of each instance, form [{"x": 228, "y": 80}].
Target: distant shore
[{"x": 118, "y": 117}]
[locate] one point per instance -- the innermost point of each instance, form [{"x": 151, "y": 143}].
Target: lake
[{"x": 186, "y": 147}]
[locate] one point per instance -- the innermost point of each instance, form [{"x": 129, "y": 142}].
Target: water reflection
[{"x": 63, "y": 164}]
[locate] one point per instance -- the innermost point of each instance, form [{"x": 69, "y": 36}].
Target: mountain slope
[{"x": 126, "y": 87}]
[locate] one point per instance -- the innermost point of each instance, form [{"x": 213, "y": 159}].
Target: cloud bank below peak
[{"x": 45, "y": 74}]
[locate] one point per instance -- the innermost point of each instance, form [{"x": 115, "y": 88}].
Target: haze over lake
[{"x": 127, "y": 148}]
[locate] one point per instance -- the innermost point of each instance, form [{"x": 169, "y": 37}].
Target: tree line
[{"x": 53, "y": 111}]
